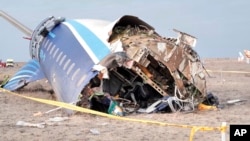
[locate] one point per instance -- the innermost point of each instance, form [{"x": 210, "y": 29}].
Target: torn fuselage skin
[{"x": 153, "y": 67}]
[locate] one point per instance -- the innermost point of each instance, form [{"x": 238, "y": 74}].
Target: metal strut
[{"x": 16, "y": 23}]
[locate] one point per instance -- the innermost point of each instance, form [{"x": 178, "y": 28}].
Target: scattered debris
[
  {"x": 235, "y": 101},
  {"x": 58, "y": 119},
  {"x": 47, "y": 112},
  {"x": 50, "y": 121},
  {"x": 203, "y": 107},
  {"x": 95, "y": 131},
  {"x": 28, "y": 124}
]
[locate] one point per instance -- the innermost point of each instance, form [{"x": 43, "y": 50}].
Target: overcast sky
[{"x": 221, "y": 26}]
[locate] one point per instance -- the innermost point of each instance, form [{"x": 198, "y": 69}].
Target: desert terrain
[{"x": 225, "y": 85}]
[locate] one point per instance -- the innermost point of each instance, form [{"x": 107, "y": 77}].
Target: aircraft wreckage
[{"x": 118, "y": 67}]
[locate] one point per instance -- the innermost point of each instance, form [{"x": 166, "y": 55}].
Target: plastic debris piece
[
  {"x": 94, "y": 131},
  {"x": 235, "y": 101},
  {"x": 27, "y": 124},
  {"x": 37, "y": 114},
  {"x": 58, "y": 119},
  {"x": 141, "y": 110},
  {"x": 114, "y": 109},
  {"x": 152, "y": 107},
  {"x": 203, "y": 107}
]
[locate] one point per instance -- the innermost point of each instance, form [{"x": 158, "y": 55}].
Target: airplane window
[
  {"x": 62, "y": 60},
  {"x": 50, "y": 44},
  {"x": 59, "y": 56},
  {"x": 52, "y": 49},
  {"x": 70, "y": 68},
  {"x": 66, "y": 64},
  {"x": 75, "y": 73},
  {"x": 55, "y": 52}
]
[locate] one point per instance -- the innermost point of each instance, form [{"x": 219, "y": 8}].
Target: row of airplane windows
[{"x": 68, "y": 65}]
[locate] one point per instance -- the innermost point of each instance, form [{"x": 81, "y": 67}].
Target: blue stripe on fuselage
[
  {"x": 95, "y": 44},
  {"x": 64, "y": 84}
]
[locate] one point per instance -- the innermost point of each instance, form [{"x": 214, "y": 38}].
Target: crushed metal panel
[
  {"x": 186, "y": 38},
  {"x": 176, "y": 55}
]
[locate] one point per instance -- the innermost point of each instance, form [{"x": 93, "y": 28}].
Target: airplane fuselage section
[
  {"x": 67, "y": 59},
  {"x": 134, "y": 62}
]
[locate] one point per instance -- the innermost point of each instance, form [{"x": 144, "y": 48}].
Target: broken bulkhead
[{"x": 153, "y": 72}]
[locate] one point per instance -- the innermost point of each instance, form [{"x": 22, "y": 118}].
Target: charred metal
[{"x": 151, "y": 70}]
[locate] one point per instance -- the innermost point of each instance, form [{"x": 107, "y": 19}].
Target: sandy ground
[{"x": 82, "y": 126}]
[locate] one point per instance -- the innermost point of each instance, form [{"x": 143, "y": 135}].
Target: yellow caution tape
[
  {"x": 84, "y": 110},
  {"x": 193, "y": 131}
]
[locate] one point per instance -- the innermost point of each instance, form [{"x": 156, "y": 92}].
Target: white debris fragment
[
  {"x": 235, "y": 101},
  {"x": 27, "y": 124},
  {"x": 58, "y": 119},
  {"x": 94, "y": 131}
]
